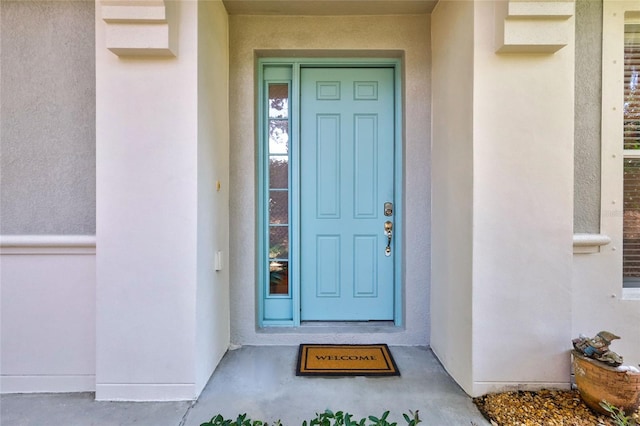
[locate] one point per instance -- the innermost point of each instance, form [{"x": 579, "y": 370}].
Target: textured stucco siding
[
  {"x": 588, "y": 95},
  {"x": 47, "y": 120},
  {"x": 405, "y": 36}
]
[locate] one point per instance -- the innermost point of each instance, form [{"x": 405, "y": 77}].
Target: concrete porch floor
[{"x": 261, "y": 382}]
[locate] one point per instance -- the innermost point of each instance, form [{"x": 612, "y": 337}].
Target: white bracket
[
  {"x": 140, "y": 27},
  {"x": 533, "y": 26}
]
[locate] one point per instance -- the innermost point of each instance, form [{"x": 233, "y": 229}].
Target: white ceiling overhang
[{"x": 329, "y": 7}]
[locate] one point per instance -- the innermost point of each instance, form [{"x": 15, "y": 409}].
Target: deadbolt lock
[{"x": 388, "y": 209}]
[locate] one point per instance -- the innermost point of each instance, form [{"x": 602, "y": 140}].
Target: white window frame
[{"x": 612, "y": 209}]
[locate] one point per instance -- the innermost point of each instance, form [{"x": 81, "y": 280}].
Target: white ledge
[
  {"x": 140, "y": 27},
  {"x": 118, "y": 13},
  {"x": 541, "y": 9},
  {"x": 533, "y": 27},
  {"x": 631, "y": 294},
  {"x": 589, "y": 243},
  {"x": 47, "y": 244}
]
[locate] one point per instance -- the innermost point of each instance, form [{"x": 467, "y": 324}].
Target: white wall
[
  {"x": 523, "y": 212},
  {"x": 47, "y": 305},
  {"x": 597, "y": 304},
  {"x": 405, "y": 36},
  {"x": 212, "y": 296},
  {"x": 599, "y": 301},
  {"x": 518, "y": 292},
  {"x": 159, "y": 218},
  {"x": 452, "y": 192}
]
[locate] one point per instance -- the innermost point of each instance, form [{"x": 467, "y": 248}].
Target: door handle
[{"x": 388, "y": 230}]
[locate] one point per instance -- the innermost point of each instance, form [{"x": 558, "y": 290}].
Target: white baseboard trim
[
  {"x": 481, "y": 388},
  {"x": 47, "y": 384},
  {"x": 145, "y": 392},
  {"x": 47, "y": 244}
]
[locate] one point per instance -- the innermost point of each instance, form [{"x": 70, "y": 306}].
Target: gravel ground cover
[{"x": 543, "y": 408}]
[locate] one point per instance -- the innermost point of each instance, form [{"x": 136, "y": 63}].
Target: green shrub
[{"x": 328, "y": 418}]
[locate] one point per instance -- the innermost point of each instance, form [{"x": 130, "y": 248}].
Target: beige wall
[
  {"x": 588, "y": 87},
  {"x": 47, "y": 92},
  {"x": 405, "y": 36}
]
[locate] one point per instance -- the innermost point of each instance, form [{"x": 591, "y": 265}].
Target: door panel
[{"x": 347, "y": 174}]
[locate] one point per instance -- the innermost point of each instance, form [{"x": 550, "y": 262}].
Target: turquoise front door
[{"x": 347, "y": 194}]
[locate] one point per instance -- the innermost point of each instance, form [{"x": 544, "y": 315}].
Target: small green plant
[
  {"x": 412, "y": 420},
  {"x": 241, "y": 420},
  {"x": 327, "y": 418},
  {"x": 382, "y": 421},
  {"x": 618, "y": 415},
  {"x": 340, "y": 418}
]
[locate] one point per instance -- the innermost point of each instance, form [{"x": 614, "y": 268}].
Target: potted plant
[{"x": 600, "y": 375}]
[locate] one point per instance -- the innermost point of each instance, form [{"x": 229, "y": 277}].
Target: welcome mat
[{"x": 345, "y": 360}]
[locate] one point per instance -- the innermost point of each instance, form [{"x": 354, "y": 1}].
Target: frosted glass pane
[
  {"x": 279, "y": 242},
  {"x": 278, "y": 172},
  {"x": 278, "y": 136},
  {"x": 279, "y": 277},
  {"x": 278, "y": 100},
  {"x": 279, "y": 207}
]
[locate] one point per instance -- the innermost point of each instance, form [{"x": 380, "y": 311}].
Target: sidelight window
[
  {"x": 278, "y": 171},
  {"x": 276, "y": 205}
]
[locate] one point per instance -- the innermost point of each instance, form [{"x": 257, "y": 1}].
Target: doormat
[{"x": 345, "y": 360}]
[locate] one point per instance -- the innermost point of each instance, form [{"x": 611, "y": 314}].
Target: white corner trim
[
  {"x": 47, "y": 244},
  {"x": 589, "y": 243}
]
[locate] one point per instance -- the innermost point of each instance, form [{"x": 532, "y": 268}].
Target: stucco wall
[
  {"x": 212, "y": 293},
  {"x": 515, "y": 179},
  {"x": 588, "y": 101},
  {"x": 162, "y": 142},
  {"x": 330, "y": 36},
  {"x": 451, "y": 286},
  {"x": 523, "y": 220},
  {"x": 47, "y": 93}
]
